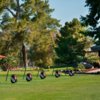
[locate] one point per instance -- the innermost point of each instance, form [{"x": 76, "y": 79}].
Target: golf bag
[
  {"x": 28, "y": 77},
  {"x": 13, "y": 78},
  {"x": 57, "y": 74},
  {"x": 42, "y": 75}
]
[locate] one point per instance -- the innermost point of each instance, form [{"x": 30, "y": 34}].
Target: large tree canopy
[
  {"x": 71, "y": 43},
  {"x": 26, "y": 22},
  {"x": 93, "y": 19}
]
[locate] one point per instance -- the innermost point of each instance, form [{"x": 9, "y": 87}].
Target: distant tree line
[{"x": 29, "y": 35}]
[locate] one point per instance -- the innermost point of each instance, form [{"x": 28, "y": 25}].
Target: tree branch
[
  {"x": 11, "y": 12},
  {"x": 17, "y": 3},
  {"x": 18, "y": 8}
]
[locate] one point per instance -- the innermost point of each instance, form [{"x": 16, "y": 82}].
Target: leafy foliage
[
  {"x": 71, "y": 43},
  {"x": 27, "y": 22},
  {"x": 93, "y": 19},
  {"x": 8, "y": 63}
]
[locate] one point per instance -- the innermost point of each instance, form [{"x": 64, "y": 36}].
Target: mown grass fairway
[{"x": 78, "y": 87}]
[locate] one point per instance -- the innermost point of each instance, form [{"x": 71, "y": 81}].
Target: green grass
[{"x": 78, "y": 87}]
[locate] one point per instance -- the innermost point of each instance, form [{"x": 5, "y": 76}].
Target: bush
[{"x": 8, "y": 63}]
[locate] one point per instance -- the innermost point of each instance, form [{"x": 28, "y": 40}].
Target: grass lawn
[{"x": 78, "y": 87}]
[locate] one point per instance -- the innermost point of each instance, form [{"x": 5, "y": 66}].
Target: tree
[
  {"x": 93, "y": 19},
  {"x": 24, "y": 21},
  {"x": 71, "y": 43}
]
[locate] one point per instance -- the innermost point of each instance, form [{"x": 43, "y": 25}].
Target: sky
[{"x": 66, "y": 10}]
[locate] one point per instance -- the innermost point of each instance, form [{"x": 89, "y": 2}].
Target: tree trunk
[
  {"x": 24, "y": 53},
  {"x": 7, "y": 74}
]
